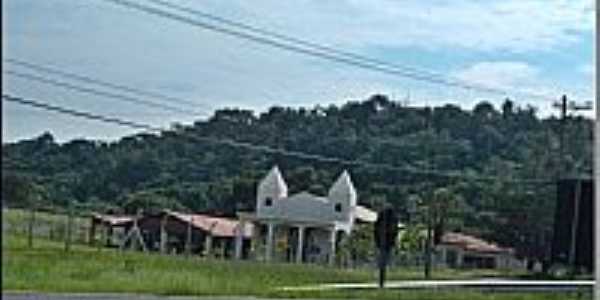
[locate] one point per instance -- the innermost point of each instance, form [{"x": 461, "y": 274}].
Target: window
[
  {"x": 338, "y": 207},
  {"x": 268, "y": 201}
]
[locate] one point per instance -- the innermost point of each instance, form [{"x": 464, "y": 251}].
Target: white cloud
[
  {"x": 120, "y": 45},
  {"x": 513, "y": 25},
  {"x": 499, "y": 75},
  {"x": 521, "y": 80}
]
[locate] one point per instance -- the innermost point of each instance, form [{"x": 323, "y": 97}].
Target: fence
[
  {"x": 70, "y": 226},
  {"x": 73, "y": 226}
]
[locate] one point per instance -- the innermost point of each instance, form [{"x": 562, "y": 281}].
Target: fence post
[
  {"x": 69, "y": 227},
  {"x": 30, "y": 226}
]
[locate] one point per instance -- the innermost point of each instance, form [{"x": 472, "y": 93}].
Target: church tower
[
  {"x": 270, "y": 190},
  {"x": 342, "y": 196}
]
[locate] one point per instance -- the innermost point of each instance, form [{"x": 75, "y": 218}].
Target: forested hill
[{"x": 174, "y": 170}]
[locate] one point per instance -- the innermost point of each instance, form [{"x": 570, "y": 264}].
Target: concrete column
[
  {"x": 300, "y": 249},
  {"x": 208, "y": 241},
  {"x": 239, "y": 238},
  {"x": 270, "y": 237},
  {"x": 332, "y": 247}
]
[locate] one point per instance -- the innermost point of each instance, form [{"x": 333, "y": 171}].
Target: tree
[
  {"x": 435, "y": 209},
  {"x": 513, "y": 143},
  {"x": 507, "y": 108},
  {"x": 149, "y": 202},
  {"x": 20, "y": 191}
]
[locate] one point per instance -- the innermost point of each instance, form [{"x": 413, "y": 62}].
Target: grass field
[
  {"x": 48, "y": 268},
  {"x": 46, "y": 225}
]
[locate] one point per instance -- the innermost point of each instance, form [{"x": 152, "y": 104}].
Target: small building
[
  {"x": 458, "y": 250},
  {"x": 303, "y": 227},
  {"x": 170, "y": 232},
  {"x": 112, "y": 228}
]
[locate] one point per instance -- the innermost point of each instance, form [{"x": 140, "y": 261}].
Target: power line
[
  {"x": 260, "y": 148},
  {"x": 76, "y": 113},
  {"x": 323, "y": 52},
  {"x": 88, "y": 79},
  {"x": 97, "y": 92},
  {"x": 287, "y": 38},
  {"x": 71, "y": 75}
]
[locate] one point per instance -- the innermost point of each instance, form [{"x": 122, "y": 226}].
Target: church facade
[{"x": 302, "y": 227}]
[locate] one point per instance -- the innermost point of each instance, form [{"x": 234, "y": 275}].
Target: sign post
[{"x": 386, "y": 232}]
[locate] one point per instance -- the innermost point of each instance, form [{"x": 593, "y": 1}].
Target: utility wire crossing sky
[{"x": 459, "y": 52}]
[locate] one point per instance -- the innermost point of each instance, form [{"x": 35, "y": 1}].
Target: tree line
[{"x": 171, "y": 170}]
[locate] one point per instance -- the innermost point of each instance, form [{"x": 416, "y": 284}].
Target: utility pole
[
  {"x": 428, "y": 199},
  {"x": 565, "y": 106}
]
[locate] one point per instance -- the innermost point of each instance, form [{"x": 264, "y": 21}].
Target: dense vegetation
[{"x": 493, "y": 149}]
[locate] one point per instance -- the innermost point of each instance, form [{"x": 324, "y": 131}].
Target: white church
[{"x": 301, "y": 227}]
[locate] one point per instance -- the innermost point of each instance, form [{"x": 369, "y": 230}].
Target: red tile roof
[
  {"x": 471, "y": 243},
  {"x": 220, "y": 227}
]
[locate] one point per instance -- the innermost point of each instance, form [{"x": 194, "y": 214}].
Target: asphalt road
[
  {"x": 490, "y": 285},
  {"x": 40, "y": 296}
]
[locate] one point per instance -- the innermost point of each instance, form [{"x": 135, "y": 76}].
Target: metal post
[
  {"x": 597, "y": 191},
  {"x": 597, "y": 172}
]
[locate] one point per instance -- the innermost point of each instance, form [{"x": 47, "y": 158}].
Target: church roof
[
  {"x": 274, "y": 183},
  {"x": 343, "y": 185}
]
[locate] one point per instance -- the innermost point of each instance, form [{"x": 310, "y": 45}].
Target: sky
[{"x": 518, "y": 46}]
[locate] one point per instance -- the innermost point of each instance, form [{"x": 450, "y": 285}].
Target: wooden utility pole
[
  {"x": 428, "y": 199},
  {"x": 565, "y": 106}
]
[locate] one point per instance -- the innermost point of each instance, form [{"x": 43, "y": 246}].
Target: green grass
[
  {"x": 47, "y": 268},
  {"x": 46, "y": 225}
]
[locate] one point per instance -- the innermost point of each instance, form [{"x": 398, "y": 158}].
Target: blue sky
[{"x": 541, "y": 46}]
